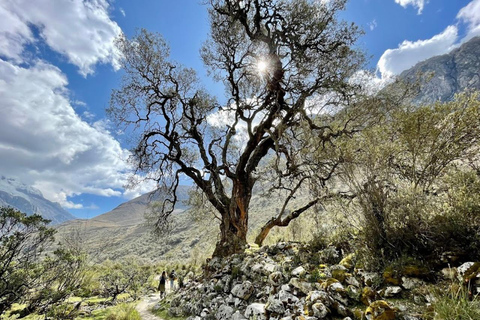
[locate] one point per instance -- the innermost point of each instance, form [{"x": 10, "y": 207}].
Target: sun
[{"x": 262, "y": 66}]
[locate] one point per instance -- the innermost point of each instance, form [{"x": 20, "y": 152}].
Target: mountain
[
  {"x": 30, "y": 201},
  {"x": 454, "y": 72},
  {"x": 124, "y": 231}
]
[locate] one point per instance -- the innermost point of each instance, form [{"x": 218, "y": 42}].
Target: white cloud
[
  {"x": 123, "y": 12},
  {"x": 420, "y": 4},
  {"x": 394, "y": 61},
  {"x": 372, "y": 25},
  {"x": 470, "y": 14},
  {"x": 408, "y": 53},
  {"x": 79, "y": 29},
  {"x": 44, "y": 143}
]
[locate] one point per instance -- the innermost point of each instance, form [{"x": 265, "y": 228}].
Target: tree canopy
[{"x": 286, "y": 67}]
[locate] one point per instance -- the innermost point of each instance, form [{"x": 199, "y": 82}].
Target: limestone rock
[
  {"x": 411, "y": 283},
  {"x": 238, "y": 316},
  {"x": 256, "y": 311},
  {"x": 275, "y": 306},
  {"x": 299, "y": 271},
  {"x": 224, "y": 313},
  {"x": 243, "y": 290},
  {"x": 392, "y": 291}
]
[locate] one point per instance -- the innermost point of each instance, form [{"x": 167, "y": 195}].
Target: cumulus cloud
[
  {"x": 372, "y": 25},
  {"x": 470, "y": 14},
  {"x": 408, "y": 53},
  {"x": 420, "y": 4},
  {"x": 44, "y": 143},
  {"x": 79, "y": 29}
]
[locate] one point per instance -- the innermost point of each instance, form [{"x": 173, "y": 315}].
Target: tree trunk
[
  {"x": 234, "y": 225},
  {"x": 265, "y": 231}
]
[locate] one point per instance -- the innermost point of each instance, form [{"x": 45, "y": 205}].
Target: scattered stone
[
  {"x": 243, "y": 290},
  {"x": 224, "y": 313},
  {"x": 299, "y": 271},
  {"x": 256, "y": 311},
  {"x": 238, "y": 316},
  {"x": 411, "y": 283},
  {"x": 392, "y": 291}
]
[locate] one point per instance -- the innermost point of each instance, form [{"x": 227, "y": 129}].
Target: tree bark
[{"x": 234, "y": 225}]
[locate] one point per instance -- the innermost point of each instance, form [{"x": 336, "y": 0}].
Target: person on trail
[
  {"x": 172, "y": 277},
  {"x": 161, "y": 285}
]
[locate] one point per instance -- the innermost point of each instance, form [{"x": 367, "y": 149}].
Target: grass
[
  {"x": 456, "y": 306},
  {"x": 124, "y": 311}
]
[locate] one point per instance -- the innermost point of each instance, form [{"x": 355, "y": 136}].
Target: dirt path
[{"x": 146, "y": 304}]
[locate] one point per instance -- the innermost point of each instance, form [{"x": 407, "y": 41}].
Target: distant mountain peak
[
  {"x": 30, "y": 200},
  {"x": 453, "y": 72}
]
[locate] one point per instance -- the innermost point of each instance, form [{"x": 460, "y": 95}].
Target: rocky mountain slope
[
  {"x": 30, "y": 200},
  {"x": 452, "y": 73}
]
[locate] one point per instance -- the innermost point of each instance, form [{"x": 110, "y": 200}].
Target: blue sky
[{"x": 58, "y": 66}]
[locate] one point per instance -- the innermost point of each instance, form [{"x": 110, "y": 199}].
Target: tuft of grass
[{"x": 456, "y": 306}]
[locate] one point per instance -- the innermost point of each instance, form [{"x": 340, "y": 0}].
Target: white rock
[
  {"x": 243, "y": 290},
  {"x": 256, "y": 311},
  {"x": 411, "y": 283},
  {"x": 287, "y": 297},
  {"x": 224, "y": 313},
  {"x": 270, "y": 267},
  {"x": 238, "y": 316},
  {"x": 392, "y": 291},
  {"x": 275, "y": 306},
  {"x": 298, "y": 271}
]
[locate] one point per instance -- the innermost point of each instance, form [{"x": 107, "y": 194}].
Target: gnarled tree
[{"x": 285, "y": 65}]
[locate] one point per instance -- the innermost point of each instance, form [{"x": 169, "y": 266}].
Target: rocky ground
[{"x": 290, "y": 282}]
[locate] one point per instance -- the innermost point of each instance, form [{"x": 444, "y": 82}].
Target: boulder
[
  {"x": 238, "y": 316},
  {"x": 243, "y": 290},
  {"x": 275, "y": 306},
  {"x": 224, "y": 313},
  {"x": 256, "y": 311}
]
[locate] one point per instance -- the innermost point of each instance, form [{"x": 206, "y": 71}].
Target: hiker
[
  {"x": 161, "y": 285},
  {"x": 172, "y": 277}
]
